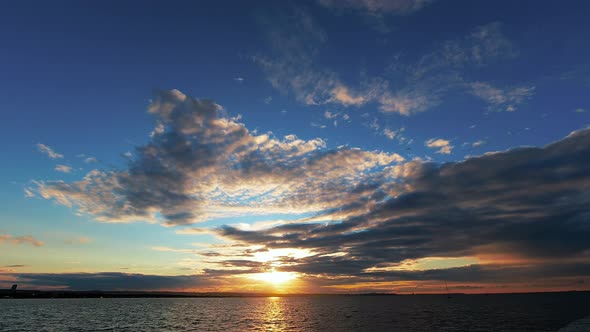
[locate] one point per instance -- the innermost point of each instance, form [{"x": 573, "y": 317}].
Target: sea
[{"x": 492, "y": 312}]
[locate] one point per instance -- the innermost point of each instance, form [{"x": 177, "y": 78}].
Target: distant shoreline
[{"x": 40, "y": 294}]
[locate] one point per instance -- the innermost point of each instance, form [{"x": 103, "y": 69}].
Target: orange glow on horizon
[{"x": 275, "y": 277}]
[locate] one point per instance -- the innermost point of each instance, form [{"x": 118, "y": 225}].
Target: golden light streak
[{"x": 275, "y": 277}]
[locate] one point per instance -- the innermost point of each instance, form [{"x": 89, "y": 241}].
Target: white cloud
[
  {"x": 49, "y": 151},
  {"x": 405, "y": 103},
  {"x": 63, "y": 168},
  {"x": 395, "y": 134},
  {"x": 478, "y": 143},
  {"x": 329, "y": 115},
  {"x": 342, "y": 95},
  {"x": 444, "y": 145}
]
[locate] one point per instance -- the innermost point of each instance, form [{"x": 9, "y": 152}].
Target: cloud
[
  {"x": 397, "y": 135},
  {"x": 195, "y": 230},
  {"x": 502, "y": 99},
  {"x": 517, "y": 217},
  {"x": 168, "y": 249},
  {"x": 342, "y": 95},
  {"x": 478, "y": 143},
  {"x": 295, "y": 38},
  {"x": 7, "y": 238},
  {"x": 375, "y": 7},
  {"x": 90, "y": 160},
  {"x": 28, "y": 193},
  {"x": 522, "y": 211},
  {"x": 429, "y": 78},
  {"x": 49, "y": 151},
  {"x": 580, "y": 110},
  {"x": 406, "y": 103},
  {"x": 239, "y": 79},
  {"x": 444, "y": 145},
  {"x": 336, "y": 117},
  {"x": 78, "y": 240},
  {"x": 408, "y": 86},
  {"x": 202, "y": 165},
  {"x": 63, "y": 168},
  {"x": 15, "y": 265},
  {"x": 112, "y": 281}
]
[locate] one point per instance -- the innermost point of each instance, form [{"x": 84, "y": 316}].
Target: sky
[{"x": 316, "y": 146}]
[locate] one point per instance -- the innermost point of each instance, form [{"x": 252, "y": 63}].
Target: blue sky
[{"x": 365, "y": 87}]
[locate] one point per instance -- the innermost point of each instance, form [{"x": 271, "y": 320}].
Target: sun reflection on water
[{"x": 274, "y": 316}]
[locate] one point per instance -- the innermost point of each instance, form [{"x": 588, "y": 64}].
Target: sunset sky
[{"x": 295, "y": 146}]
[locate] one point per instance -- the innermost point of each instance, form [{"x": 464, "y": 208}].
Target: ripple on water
[{"x": 537, "y": 312}]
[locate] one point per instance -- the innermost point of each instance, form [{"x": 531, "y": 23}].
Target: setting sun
[{"x": 275, "y": 277}]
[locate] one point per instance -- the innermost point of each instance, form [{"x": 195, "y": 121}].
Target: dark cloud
[
  {"x": 112, "y": 281},
  {"x": 528, "y": 204}
]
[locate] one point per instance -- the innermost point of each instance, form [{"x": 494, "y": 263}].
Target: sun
[{"x": 275, "y": 277}]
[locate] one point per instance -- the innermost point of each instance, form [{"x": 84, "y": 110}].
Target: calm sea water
[{"x": 516, "y": 312}]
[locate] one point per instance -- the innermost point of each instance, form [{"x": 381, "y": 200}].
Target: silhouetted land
[{"x": 40, "y": 294}]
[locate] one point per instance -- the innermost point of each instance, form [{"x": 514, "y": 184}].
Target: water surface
[{"x": 514, "y": 312}]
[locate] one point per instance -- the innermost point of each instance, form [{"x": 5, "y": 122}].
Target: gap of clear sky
[{"x": 295, "y": 146}]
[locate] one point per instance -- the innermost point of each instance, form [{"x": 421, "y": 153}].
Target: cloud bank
[{"x": 521, "y": 212}]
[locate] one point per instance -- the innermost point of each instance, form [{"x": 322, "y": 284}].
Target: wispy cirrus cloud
[
  {"x": 376, "y": 12},
  {"x": 408, "y": 86},
  {"x": 427, "y": 80},
  {"x": 377, "y": 7},
  {"x": 49, "y": 151},
  {"x": 502, "y": 99}
]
